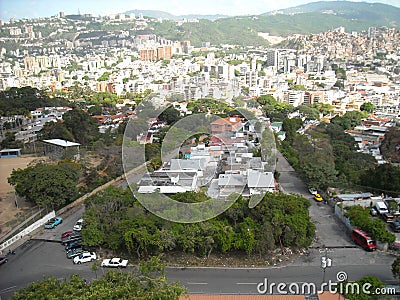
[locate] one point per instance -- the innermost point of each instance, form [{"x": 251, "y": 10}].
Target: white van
[{"x": 381, "y": 207}]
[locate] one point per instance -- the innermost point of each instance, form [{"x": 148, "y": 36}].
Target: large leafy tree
[
  {"x": 368, "y": 107},
  {"x": 104, "y": 215},
  {"x": 170, "y": 115},
  {"x": 349, "y": 120},
  {"x": 370, "y": 284},
  {"x": 274, "y": 109},
  {"x": 206, "y": 105},
  {"x": 55, "y": 130},
  {"x": 384, "y": 178},
  {"x": 82, "y": 126},
  {"x": 54, "y": 185},
  {"x": 290, "y": 126},
  {"x": 309, "y": 112},
  {"x": 389, "y": 145}
]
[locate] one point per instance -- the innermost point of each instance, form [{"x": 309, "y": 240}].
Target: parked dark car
[
  {"x": 387, "y": 217},
  {"x": 72, "y": 237},
  {"x": 395, "y": 225},
  {"x": 3, "y": 259},
  {"x": 74, "y": 252},
  {"x": 73, "y": 244}
]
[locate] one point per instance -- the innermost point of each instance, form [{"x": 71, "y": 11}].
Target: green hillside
[
  {"x": 222, "y": 31},
  {"x": 380, "y": 13},
  {"x": 244, "y": 30},
  {"x": 167, "y": 16}
]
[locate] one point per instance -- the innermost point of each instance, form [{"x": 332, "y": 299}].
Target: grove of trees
[
  {"x": 20, "y": 101},
  {"x": 328, "y": 156},
  {"x": 115, "y": 220}
]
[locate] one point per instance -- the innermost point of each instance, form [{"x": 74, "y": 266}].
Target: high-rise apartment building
[{"x": 148, "y": 54}]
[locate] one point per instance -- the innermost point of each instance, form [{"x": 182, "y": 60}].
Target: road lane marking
[
  {"x": 203, "y": 283},
  {"x": 7, "y": 289}
]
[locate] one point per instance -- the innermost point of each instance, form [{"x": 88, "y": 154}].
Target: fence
[
  {"x": 27, "y": 220},
  {"x": 27, "y": 230},
  {"x": 339, "y": 212}
]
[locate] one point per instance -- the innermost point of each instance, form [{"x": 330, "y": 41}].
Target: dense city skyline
[{"x": 20, "y": 9}]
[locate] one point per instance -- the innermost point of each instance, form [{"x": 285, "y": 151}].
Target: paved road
[
  {"x": 36, "y": 259},
  {"x": 330, "y": 231}
]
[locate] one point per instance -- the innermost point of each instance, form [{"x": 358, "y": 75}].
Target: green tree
[
  {"x": 298, "y": 87},
  {"x": 368, "y": 107},
  {"x": 54, "y": 185},
  {"x": 290, "y": 126},
  {"x": 9, "y": 141},
  {"x": 104, "y": 215},
  {"x": 383, "y": 179},
  {"x": 55, "y": 130},
  {"x": 396, "y": 267},
  {"x": 170, "y": 115},
  {"x": 104, "y": 77},
  {"x": 323, "y": 108},
  {"x": 21, "y": 101},
  {"x": 360, "y": 217},
  {"x": 349, "y": 120},
  {"x": 95, "y": 110},
  {"x": 82, "y": 126},
  {"x": 309, "y": 112},
  {"x": 362, "y": 294}
]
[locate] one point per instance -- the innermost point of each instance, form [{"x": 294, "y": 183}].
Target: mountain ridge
[
  {"x": 166, "y": 15},
  {"x": 378, "y": 12}
]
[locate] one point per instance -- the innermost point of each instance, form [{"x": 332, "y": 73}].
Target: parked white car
[
  {"x": 85, "y": 257},
  {"x": 78, "y": 225},
  {"x": 115, "y": 262},
  {"x": 313, "y": 191}
]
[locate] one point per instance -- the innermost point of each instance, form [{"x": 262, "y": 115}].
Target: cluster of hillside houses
[{"x": 225, "y": 165}]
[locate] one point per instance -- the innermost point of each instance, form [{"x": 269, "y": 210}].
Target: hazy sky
[{"x": 19, "y": 9}]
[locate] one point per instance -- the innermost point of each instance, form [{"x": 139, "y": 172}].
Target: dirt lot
[{"x": 9, "y": 213}]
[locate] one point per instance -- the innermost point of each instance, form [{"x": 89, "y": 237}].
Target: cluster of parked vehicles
[
  {"x": 72, "y": 241},
  {"x": 75, "y": 250},
  {"x": 317, "y": 197},
  {"x": 388, "y": 211}
]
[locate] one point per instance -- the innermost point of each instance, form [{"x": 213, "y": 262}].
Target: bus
[{"x": 362, "y": 239}]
